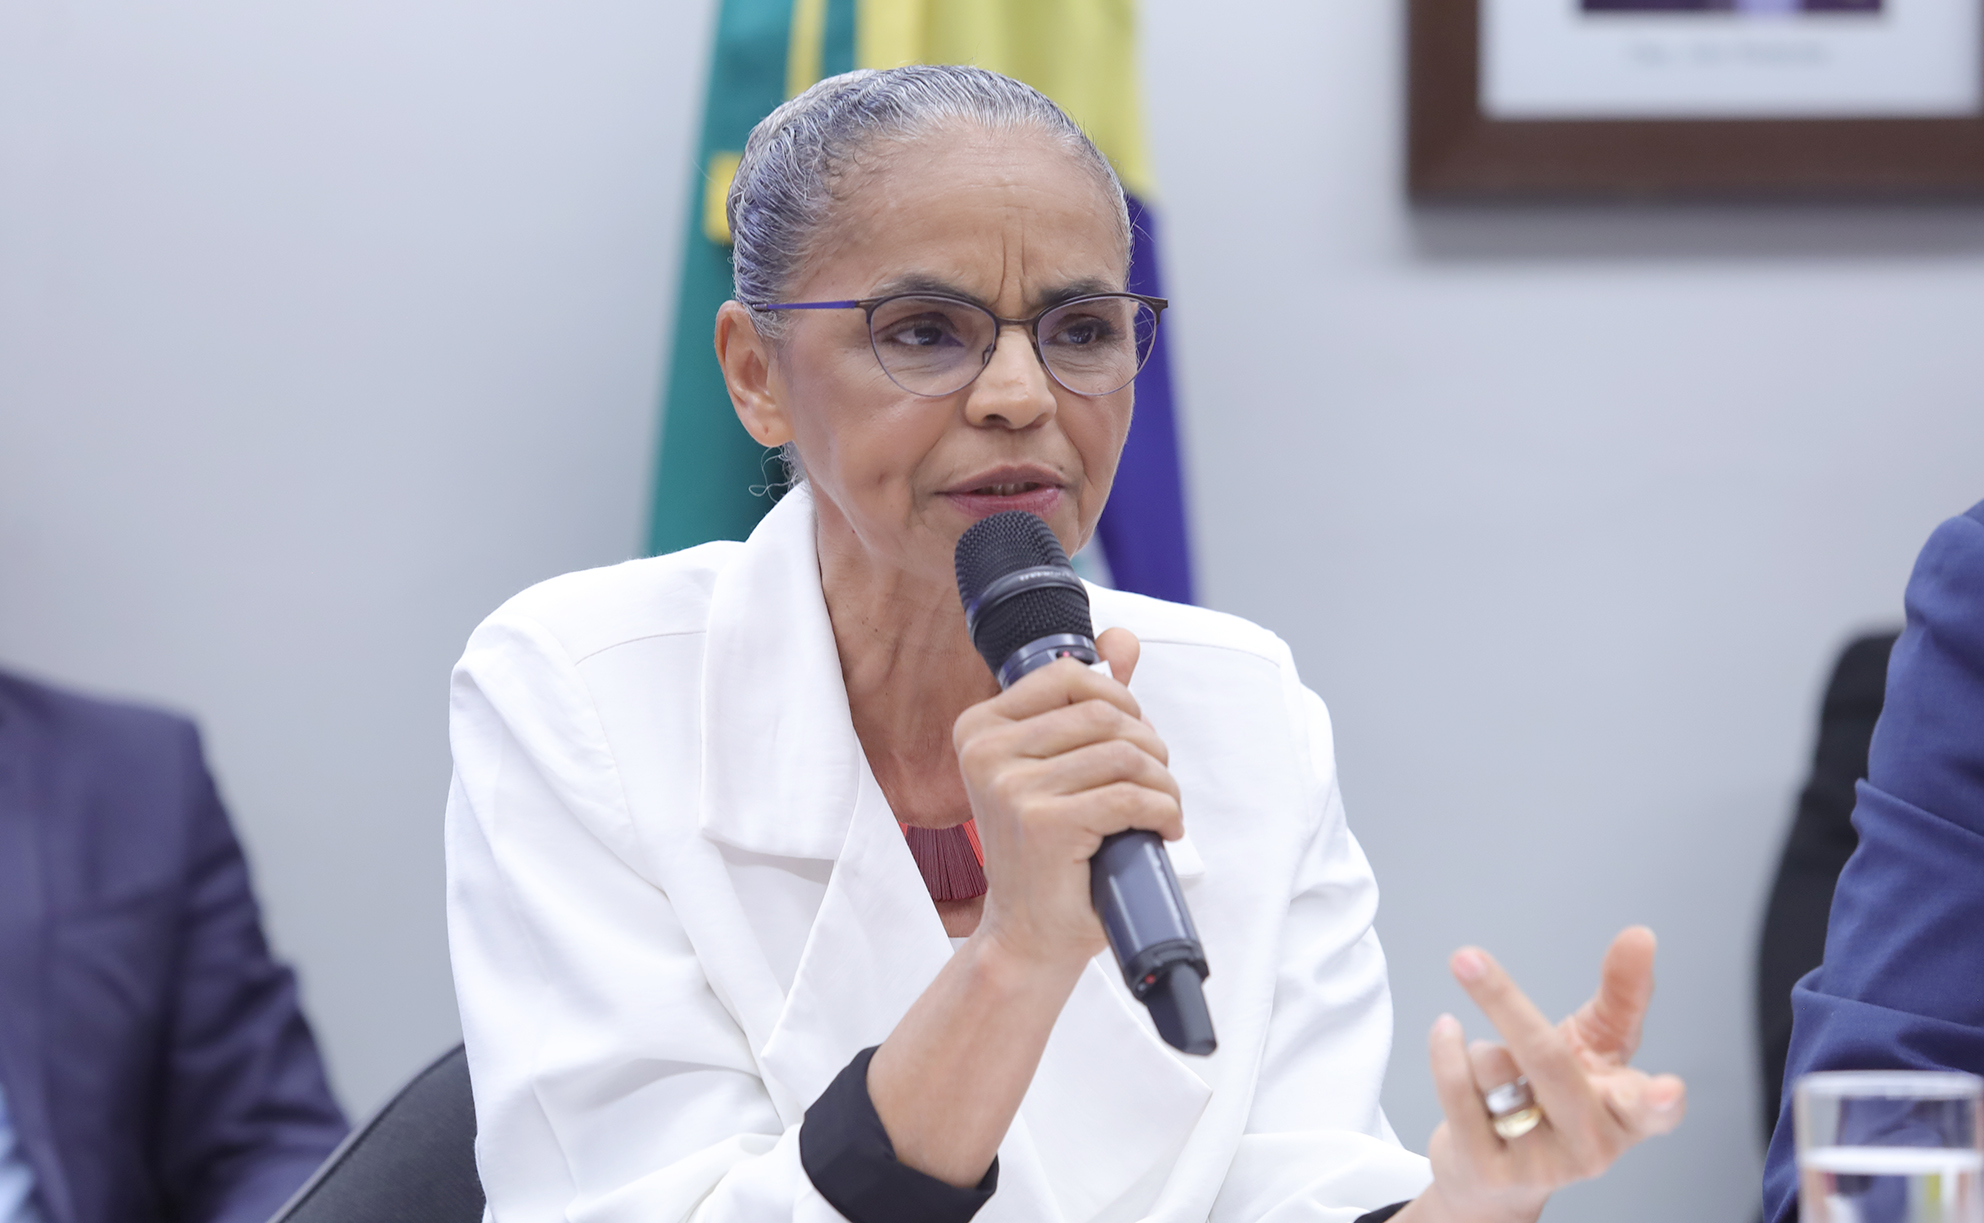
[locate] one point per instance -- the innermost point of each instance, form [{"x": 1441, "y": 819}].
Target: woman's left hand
[{"x": 1595, "y": 1104}]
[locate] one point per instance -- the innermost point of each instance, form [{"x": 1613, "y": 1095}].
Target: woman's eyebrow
[
  {"x": 1074, "y": 289},
  {"x": 923, "y": 282},
  {"x": 920, "y": 282}
]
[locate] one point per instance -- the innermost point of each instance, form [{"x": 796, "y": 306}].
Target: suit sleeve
[
  {"x": 1317, "y": 1146},
  {"x": 1899, "y": 985},
  {"x": 247, "y": 1115},
  {"x": 611, "y": 1082}
]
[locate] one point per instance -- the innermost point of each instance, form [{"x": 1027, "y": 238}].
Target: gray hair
[{"x": 784, "y": 192}]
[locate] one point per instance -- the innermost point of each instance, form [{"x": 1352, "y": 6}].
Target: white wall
[{"x": 324, "y": 329}]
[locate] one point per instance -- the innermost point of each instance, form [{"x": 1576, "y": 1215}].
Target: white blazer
[{"x": 678, "y": 904}]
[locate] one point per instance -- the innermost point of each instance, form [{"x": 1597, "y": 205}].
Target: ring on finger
[{"x": 1513, "y": 1108}]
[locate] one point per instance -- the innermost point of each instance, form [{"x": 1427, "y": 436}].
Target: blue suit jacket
[
  {"x": 1903, "y": 980},
  {"x": 155, "y": 1062}
]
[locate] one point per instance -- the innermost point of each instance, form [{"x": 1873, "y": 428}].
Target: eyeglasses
[{"x": 934, "y": 345}]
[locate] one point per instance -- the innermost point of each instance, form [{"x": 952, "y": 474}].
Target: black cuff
[
  {"x": 1382, "y": 1213},
  {"x": 850, "y": 1160}
]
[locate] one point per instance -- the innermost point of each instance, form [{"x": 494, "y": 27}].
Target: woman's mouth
[{"x": 980, "y": 500}]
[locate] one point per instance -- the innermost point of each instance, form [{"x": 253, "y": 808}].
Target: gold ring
[{"x": 1513, "y": 1108}]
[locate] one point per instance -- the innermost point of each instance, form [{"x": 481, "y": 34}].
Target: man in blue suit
[
  {"x": 1902, "y": 985},
  {"x": 153, "y": 1062}
]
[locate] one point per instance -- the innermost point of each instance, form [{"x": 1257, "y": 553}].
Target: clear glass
[
  {"x": 1888, "y": 1146},
  {"x": 936, "y": 345}
]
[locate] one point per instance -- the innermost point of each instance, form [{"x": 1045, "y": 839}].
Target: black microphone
[{"x": 1025, "y": 607}]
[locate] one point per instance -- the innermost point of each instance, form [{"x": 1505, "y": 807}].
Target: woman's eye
[
  {"x": 920, "y": 333},
  {"x": 1081, "y": 332}
]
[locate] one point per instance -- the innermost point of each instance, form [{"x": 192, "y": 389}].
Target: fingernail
[
  {"x": 1446, "y": 1025},
  {"x": 1468, "y": 965},
  {"x": 1663, "y": 1097}
]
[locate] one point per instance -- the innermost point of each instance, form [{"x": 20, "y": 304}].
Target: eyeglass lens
[{"x": 936, "y": 346}]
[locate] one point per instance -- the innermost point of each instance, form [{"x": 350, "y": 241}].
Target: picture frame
[{"x": 1457, "y": 152}]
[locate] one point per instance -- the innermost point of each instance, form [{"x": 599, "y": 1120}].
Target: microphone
[{"x": 1024, "y": 608}]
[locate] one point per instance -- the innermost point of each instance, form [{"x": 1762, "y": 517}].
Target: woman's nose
[{"x": 1013, "y": 392}]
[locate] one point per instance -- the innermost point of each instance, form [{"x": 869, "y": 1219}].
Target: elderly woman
[{"x": 703, "y": 972}]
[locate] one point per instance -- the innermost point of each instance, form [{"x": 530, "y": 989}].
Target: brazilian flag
[{"x": 712, "y": 481}]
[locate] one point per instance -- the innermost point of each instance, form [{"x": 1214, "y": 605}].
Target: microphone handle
[{"x": 1136, "y": 894}]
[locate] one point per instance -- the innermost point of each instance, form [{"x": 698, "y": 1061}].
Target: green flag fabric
[{"x": 711, "y": 479}]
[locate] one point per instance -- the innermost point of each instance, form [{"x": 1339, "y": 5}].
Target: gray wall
[{"x": 323, "y": 330}]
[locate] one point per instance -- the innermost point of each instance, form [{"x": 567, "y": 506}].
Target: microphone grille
[{"x": 1007, "y": 543}]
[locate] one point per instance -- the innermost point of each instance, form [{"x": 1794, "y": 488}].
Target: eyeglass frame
[{"x": 868, "y": 306}]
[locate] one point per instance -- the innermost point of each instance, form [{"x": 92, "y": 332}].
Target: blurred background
[{"x": 324, "y": 329}]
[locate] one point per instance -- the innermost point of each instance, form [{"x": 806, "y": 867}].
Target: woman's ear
[{"x": 746, "y": 358}]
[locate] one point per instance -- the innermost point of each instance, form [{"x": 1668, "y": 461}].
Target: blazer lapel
[
  {"x": 781, "y": 762},
  {"x": 875, "y": 946},
  {"x": 23, "y": 954}
]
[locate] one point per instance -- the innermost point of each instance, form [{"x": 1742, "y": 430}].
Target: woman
[{"x": 703, "y": 972}]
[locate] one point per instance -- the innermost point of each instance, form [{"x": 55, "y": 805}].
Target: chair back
[{"x": 413, "y": 1162}]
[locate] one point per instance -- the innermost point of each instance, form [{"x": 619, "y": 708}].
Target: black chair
[
  {"x": 413, "y": 1162},
  {"x": 1820, "y": 841}
]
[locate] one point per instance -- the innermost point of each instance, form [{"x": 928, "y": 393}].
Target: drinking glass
[{"x": 1888, "y": 1146}]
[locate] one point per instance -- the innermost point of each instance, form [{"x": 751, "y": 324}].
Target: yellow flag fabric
[{"x": 1081, "y": 53}]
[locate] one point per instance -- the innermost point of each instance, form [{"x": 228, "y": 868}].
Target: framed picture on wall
[{"x": 1515, "y": 99}]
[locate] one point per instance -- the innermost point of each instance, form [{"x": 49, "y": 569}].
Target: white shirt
[{"x": 678, "y": 904}]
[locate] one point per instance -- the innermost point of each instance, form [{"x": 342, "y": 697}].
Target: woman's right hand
[{"x": 1052, "y": 765}]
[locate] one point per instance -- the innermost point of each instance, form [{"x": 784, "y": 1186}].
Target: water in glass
[{"x": 1889, "y": 1147}]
